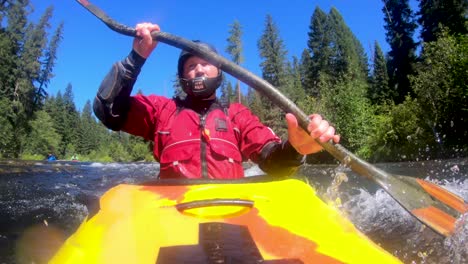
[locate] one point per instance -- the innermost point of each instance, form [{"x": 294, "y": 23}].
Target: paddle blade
[
  {"x": 429, "y": 203},
  {"x": 444, "y": 196}
]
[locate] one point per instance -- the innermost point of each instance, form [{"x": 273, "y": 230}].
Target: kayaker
[
  {"x": 51, "y": 157},
  {"x": 199, "y": 136}
]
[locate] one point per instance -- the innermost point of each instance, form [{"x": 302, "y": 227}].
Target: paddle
[{"x": 429, "y": 203}]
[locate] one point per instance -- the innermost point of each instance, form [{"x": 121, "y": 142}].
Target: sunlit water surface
[{"x": 35, "y": 195}]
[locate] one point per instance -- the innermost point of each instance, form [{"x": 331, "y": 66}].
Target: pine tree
[
  {"x": 22, "y": 49},
  {"x": 6, "y": 129},
  {"x": 400, "y": 27},
  {"x": 273, "y": 53},
  {"x": 227, "y": 92},
  {"x": 347, "y": 52},
  {"x": 379, "y": 91},
  {"x": 334, "y": 50},
  {"x": 49, "y": 62},
  {"x": 436, "y": 14},
  {"x": 234, "y": 48},
  {"x": 30, "y": 66},
  {"x": 340, "y": 78},
  {"x": 319, "y": 44},
  {"x": 71, "y": 122},
  {"x": 15, "y": 87},
  {"x": 88, "y": 139},
  {"x": 304, "y": 68},
  {"x": 293, "y": 88}
]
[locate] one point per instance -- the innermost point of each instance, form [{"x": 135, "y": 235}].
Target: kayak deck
[{"x": 250, "y": 221}]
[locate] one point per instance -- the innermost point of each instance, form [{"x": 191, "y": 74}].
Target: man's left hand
[{"x": 305, "y": 143}]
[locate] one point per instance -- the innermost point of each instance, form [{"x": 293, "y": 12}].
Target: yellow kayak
[{"x": 247, "y": 221}]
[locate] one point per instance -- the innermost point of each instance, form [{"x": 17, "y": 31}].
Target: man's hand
[
  {"x": 144, "y": 44},
  {"x": 305, "y": 142}
]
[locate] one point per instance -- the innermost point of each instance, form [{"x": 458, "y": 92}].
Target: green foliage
[
  {"x": 344, "y": 103},
  {"x": 138, "y": 149},
  {"x": 43, "y": 138},
  {"x": 99, "y": 155},
  {"x": 117, "y": 152},
  {"x": 27, "y": 156},
  {"x": 442, "y": 90},
  {"x": 399, "y": 133},
  {"x": 22, "y": 49},
  {"x": 6, "y": 129}
]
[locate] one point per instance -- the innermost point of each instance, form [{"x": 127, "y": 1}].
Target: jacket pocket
[
  {"x": 227, "y": 159},
  {"x": 177, "y": 161}
]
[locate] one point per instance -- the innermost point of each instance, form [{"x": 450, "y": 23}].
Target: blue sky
[{"x": 89, "y": 48}]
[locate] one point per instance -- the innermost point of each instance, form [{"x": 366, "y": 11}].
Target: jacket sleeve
[
  {"x": 112, "y": 101},
  {"x": 280, "y": 159},
  {"x": 260, "y": 144}
]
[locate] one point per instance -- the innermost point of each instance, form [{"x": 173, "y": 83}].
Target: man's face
[{"x": 198, "y": 67}]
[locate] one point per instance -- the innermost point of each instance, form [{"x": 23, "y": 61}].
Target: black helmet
[{"x": 209, "y": 85}]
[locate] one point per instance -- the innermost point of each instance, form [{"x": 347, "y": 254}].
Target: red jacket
[{"x": 192, "y": 145}]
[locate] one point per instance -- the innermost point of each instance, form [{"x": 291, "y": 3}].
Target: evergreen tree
[
  {"x": 379, "y": 91},
  {"x": 254, "y": 100},
  {"x": 400, "y": 27},
  {"x": 6, "y": 129},
  {"x": 12, "y": 86},
  {"x": 49, "y": 62},
  {"x": 138, "y": 149},
  {"x": 57, "y": 110},
  {"x": 273, "y": 53},
  {"x": 304, "y": 70},
  {"x": 234, "y": 48},
  {"x": 88, "y": 139},
  {"x": 436, "y": 14},
  {"x": 22, "y": 48},
  {"x": 29, "y": 63},
  {"x": 347, "y": 52},
  {"x": 70, "y": 122},
  {"x": 340, "y": 75},
  {"x": 293, "y": 88},
  {"x": 227, "y": 92},
  {"x": 334, "y": 49},
  {"x": 319, "y": 44}
]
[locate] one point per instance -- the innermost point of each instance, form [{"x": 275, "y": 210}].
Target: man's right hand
[{"x": 144, "y": 44}]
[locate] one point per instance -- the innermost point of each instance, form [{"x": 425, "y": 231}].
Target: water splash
[
  {"x": 457, "y": 244},
  {"x": 378, "y": 213},
  {"x": 253, "y": 171},
  {"x": 333, "y": 194},
  {"x": 388, "y": 224}
]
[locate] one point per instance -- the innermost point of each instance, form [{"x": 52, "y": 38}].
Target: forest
[{"x": 407, "y": 104}]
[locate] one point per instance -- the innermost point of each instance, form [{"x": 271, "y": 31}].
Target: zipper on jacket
[{"x": 203, "y": 142}]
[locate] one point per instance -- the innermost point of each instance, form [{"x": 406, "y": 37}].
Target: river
[{"x": 36, "y": 194}]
